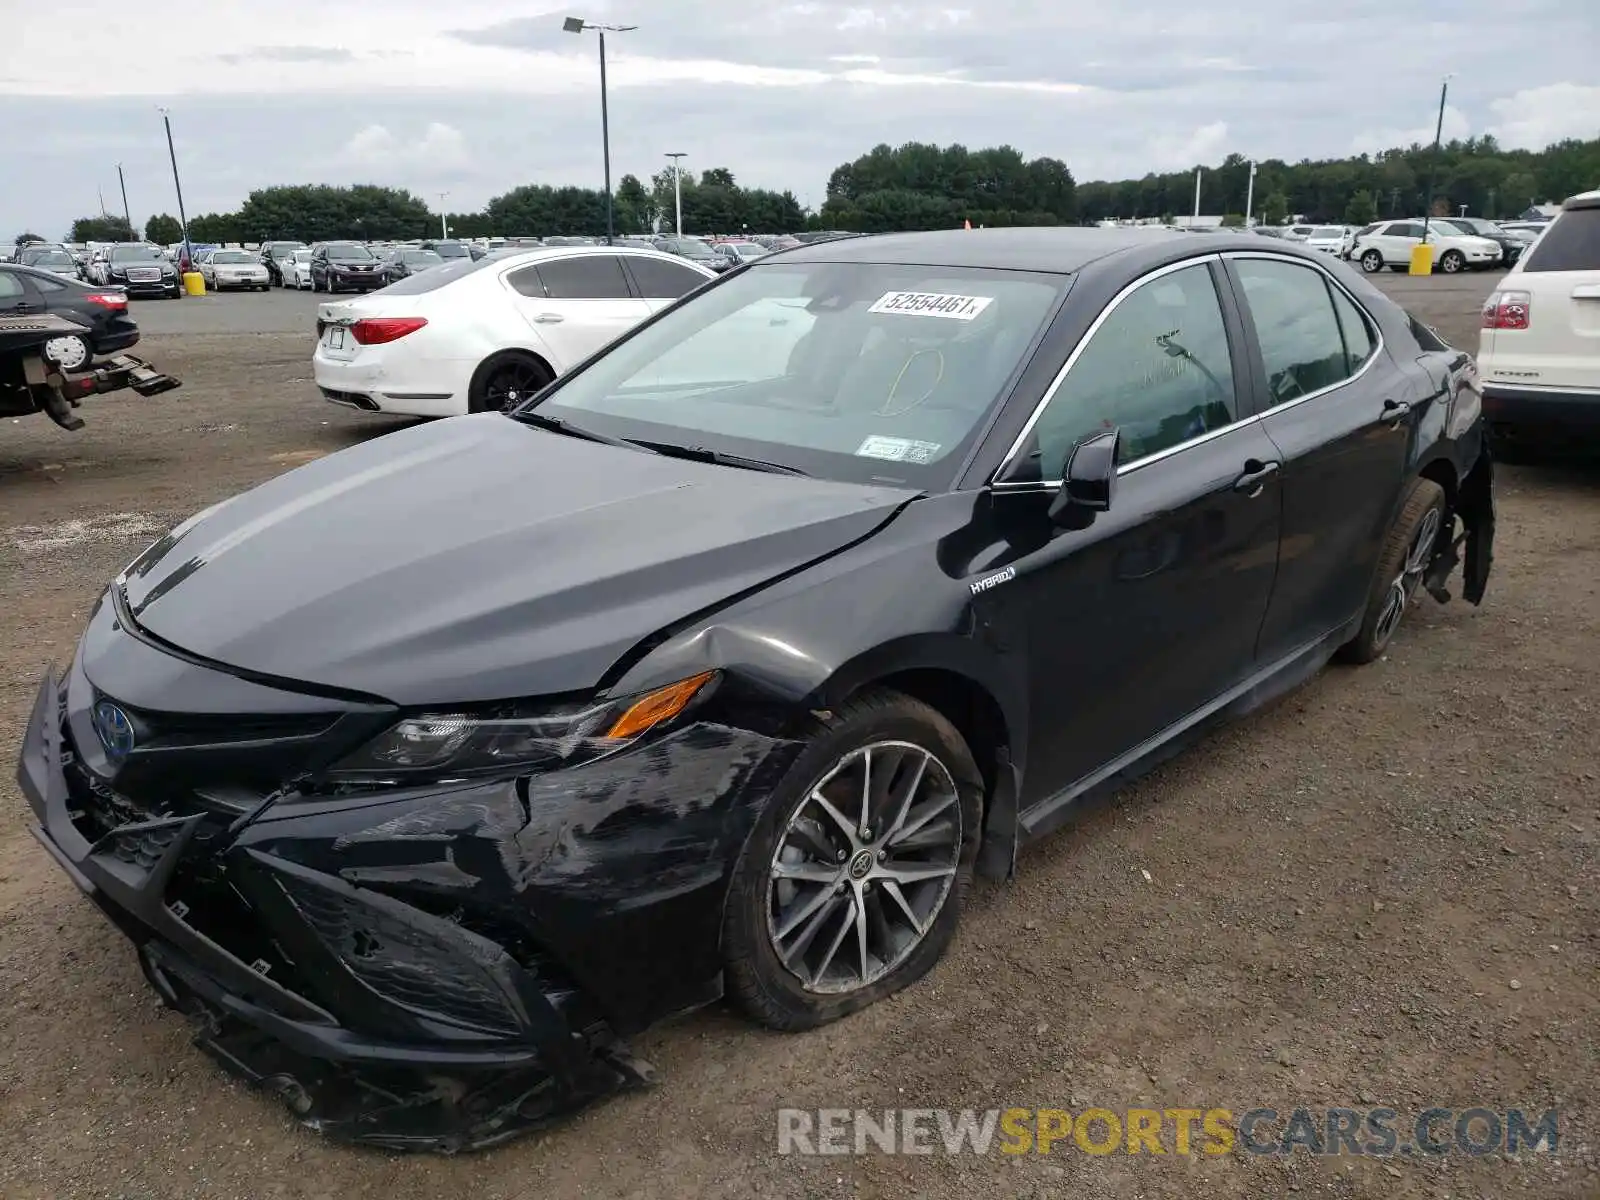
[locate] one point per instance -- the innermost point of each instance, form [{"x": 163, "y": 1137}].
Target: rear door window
[
  {"x": 1571, "y": 243},
  {"x": 1302, "y": 347}
]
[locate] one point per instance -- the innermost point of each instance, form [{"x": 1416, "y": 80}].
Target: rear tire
[
  {"x": 1405, "y": 556},
  {"x": 770, "y": 988},
  {"x": 504, "y": 380}
]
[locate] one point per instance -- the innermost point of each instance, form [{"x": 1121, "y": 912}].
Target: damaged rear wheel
[
  {"x": 852, "y": 883},
  {"x": 1406, "y": 553}
]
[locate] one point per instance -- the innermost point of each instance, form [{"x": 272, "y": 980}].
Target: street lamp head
[{"x": 573, "y": 25}]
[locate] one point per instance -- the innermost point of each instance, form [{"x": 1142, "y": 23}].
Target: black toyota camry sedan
[{"x": 425, "y": 774}]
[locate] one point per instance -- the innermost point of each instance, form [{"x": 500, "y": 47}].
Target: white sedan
[
  {"x": 298, "y": 273},
  {"x": 474, "y": 336}
]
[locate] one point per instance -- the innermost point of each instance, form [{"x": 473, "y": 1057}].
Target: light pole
[
  {"x": 126, "y": 215},
  {"x": 183, "y": 221},
  {"x": 444, "y": 226},
  {"x": 578, "y": 25},
  {"x": 1249, "y": 194},
  {"x": 677, "y": 157},
  {"x": 1197, "y": 191},
  {"x": 1433, "y": 163}
]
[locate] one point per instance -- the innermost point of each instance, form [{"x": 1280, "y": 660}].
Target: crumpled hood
[{"x": 478, "y": 558}]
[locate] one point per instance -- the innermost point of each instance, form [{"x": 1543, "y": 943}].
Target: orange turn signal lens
[{"x": 660, "y": 705}]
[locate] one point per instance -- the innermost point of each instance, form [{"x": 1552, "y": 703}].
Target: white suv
[
  {"x": 1539, "y": 347},
  {"x": 1389, "y": 243}
]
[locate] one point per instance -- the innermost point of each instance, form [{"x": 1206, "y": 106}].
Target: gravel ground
[{"x": 1381, "y": 890}]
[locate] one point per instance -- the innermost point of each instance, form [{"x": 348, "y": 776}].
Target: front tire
[
  {"x": 851, "y": 885},
  {"x": 1452, "y": 262},
  {"x": 1372, "y": 262},
  {"x": 1406, "y": 553}
]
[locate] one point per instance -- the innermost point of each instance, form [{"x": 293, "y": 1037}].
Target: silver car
[{"x": 223, "y": 269}]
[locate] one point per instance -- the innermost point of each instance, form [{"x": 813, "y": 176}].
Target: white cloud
[
  {"x": 1535, "y": 117},
  {"x": 1171, "y": 151},
  {"x": 441, "y": 149},
  {"x": 1456, "y": 125}
]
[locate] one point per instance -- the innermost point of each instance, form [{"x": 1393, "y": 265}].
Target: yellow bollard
[
  {"x": 1421, "y": 259},
  {"x": 194, "y": 283}
]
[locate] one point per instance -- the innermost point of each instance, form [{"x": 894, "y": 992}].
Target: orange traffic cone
[{"x": 966, "y": 224}]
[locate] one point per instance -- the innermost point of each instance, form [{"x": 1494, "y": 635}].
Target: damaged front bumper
[{"x": 434, "y": 970}]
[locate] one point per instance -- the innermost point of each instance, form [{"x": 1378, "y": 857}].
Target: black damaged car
[{"x": 425, "y": 774}]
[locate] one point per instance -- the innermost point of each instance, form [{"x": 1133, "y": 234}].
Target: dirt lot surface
[{"x": 1382, "y": 890}]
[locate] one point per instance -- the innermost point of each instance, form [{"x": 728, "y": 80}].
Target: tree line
[{"x": 924, "y": 186}]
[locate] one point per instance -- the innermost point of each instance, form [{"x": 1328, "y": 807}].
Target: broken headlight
[{"x": 468, "y": 744}]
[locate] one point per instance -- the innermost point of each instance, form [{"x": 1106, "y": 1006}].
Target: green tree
[
  {"x": 23, "y": 239},
  {"x": 1233, "y": 220},
  {"x": 1361, "y": 209},
  {"x": 718, "y": 177},
  {"x": 634, "y": 208},
  {"x": 1275, "y": 208},
  {"x": 319, "y": 212},
  {"x": 164, "y": 230},
  {"x": 215, "y": 227},
  {"x": 1518, "y": 191},
  {"x": 102, "y": 229}
]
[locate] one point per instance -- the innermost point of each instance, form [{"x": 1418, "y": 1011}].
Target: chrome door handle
[
  {"x": 1395, "y": 411},
  {"x": 548, "y": 319},
  {"x": 1255, "y": 477}
]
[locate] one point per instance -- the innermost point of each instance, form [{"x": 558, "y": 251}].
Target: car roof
[
  {"x": 536, "y": 254},
  {"x": 1056, "y": 249},
  {"x": 1581, "y": 200}
]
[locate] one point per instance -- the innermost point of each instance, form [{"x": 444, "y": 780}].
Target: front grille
[{"x": 401, "y": 962}]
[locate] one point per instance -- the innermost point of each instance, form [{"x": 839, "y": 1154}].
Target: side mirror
[{"x": 1089, "y": 481}]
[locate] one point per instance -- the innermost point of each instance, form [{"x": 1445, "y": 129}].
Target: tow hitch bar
[{"x": 59, "y": 392}]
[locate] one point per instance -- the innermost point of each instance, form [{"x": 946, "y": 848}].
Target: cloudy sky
[{"x": 473, "y": 97}]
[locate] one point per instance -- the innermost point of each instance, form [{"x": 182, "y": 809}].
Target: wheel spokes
[{"x": 868, "y": 857}]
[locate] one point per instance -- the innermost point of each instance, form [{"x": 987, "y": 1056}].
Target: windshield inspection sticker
[
  {"x": 931, "y": 304},
  {"x": 897, "y": 449}
]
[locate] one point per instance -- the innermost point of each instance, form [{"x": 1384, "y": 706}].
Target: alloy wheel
[
  {"x": 511, "y": 384},
  {"x": 864, "y": 867},
  {"x": 1371, "y": 261},
  {"x": 1404, "y": 585}
]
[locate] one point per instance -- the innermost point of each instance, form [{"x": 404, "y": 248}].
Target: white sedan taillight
[
  {"x": 1507, "y": 310},
  {"x": 374, "y": 331}
]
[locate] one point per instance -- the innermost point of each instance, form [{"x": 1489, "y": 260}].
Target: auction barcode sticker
[{"x": 932, "y": 304}]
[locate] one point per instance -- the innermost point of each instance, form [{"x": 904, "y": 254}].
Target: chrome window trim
[
  {"x": 1072, "y": 359},
  {"x": 1210, "y": 434},
  {"x": 1071, "y": 362}
]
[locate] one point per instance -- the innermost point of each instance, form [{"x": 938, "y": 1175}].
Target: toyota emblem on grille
[{"x": 114, "y": 729}]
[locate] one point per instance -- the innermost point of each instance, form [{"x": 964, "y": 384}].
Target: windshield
[
  {"x": 135, "y": 254},
  {"x": 51, "y": 258},
  {"x": 450, "y": 250},
  {"x": 282, "y": 249},
  {"x": 349, "y": 252},
  {"x": 302, "y": 256},
  {"x": 420, "y": 258},
  {"x": 1328, "y": 231},
  {"x": 853, "y": 371},
  {"x": 232, "y": 256}
]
